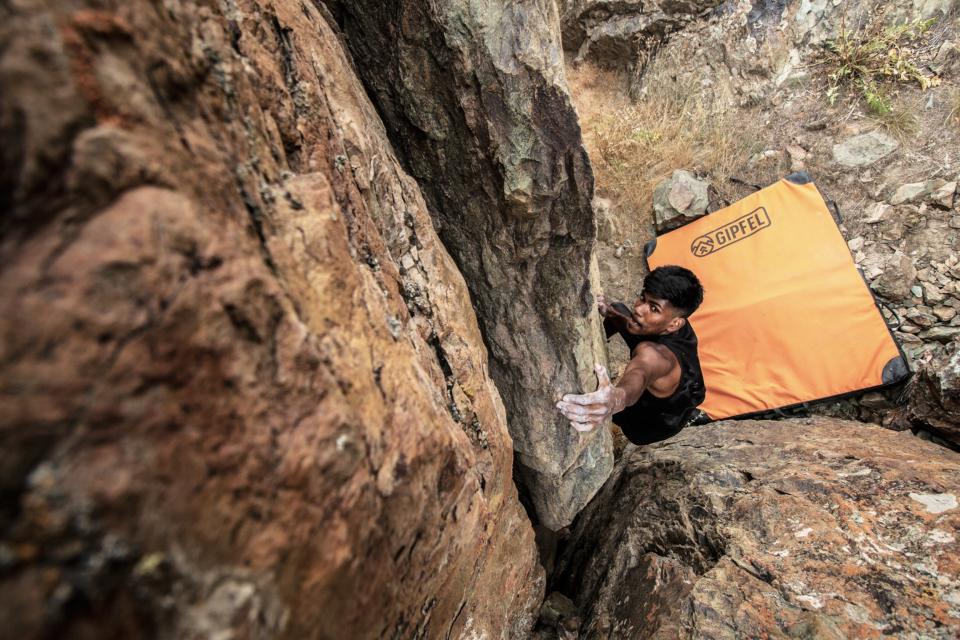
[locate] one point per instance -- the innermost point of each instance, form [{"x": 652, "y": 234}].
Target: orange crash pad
[{"x": 786, "y": 318}]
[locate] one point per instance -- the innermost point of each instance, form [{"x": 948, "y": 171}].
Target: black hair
[{"x": 676, "y": 285}]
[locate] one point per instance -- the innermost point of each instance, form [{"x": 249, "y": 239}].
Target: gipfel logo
[{"x": 740, "y": 229}]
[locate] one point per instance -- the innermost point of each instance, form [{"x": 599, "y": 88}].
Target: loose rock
[
  {"x": 678, "y": 200},
  {"x": 943, "y": 196},
  {"x": 896, "y": 281},
  {"x": 864, "y": 149},
  {"x": 931, "y": 294},
  {"x": 878, "y": 213},
  {"x": 909, "y": 193},
  {"x": 945, "y": 314},
  {"x": 941, "y": 333}
]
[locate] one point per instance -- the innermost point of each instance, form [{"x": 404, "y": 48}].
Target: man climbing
[{"x": 662, "y": 384}]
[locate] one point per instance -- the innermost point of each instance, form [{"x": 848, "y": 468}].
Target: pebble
[
  {"x": 916, "y": 291},
  {"x": 879, "y": 213},
  {"x": 931, "y": 294},
  {"x": 954, "y": 222},
  {"x": 941, "y": 334},
  {"x": 945, "y": 314},
  {"x": 921, "y": 319},
  {"x": 943, "y": 197}
]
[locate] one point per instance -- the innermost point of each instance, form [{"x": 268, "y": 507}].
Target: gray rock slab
[{"x": 864, "y": 149}]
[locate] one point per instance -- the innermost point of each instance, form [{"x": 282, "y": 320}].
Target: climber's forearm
[{"x": 631, "y": 385}]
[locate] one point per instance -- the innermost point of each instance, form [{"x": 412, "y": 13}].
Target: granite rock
[
  {"x": 612, "y": 32},
  {"x": 244, "y": 392},
  {"x": 816, "y": 528},
  {"x": 475, "y": 100}
]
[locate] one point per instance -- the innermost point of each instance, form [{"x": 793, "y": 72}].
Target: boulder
[
  {"x": 475, "y": 100},
  {"x": 244, "y": 392},
  {"x": 743, "y": 52},
  {"x": 679, "y": 199},
  {"x": 932, "y": 397},
  {"x": 813, "y": 528},
  {"x": 864, "y": 149}
]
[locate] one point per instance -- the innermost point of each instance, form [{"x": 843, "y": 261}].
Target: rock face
[
  {"x": 746, "y": 51},
  {"x": 612, "y": 33},
  {"x": 475, "y": 100},
  {"x": 801, "y": 529},
  {"x": 243, "y": 390}
]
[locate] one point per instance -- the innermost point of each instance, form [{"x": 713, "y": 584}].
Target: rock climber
[{"x": 662, "y": 384}]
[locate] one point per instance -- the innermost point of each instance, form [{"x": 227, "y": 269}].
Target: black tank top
[{"x": 690, "y": 391}]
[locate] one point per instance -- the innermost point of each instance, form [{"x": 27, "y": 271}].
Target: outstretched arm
[
  {"x": 616, "y": 316},
  {"x": 588, "y": 410}
]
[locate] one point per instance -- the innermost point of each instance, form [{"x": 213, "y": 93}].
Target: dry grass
[
  {"x": 954, "y": 116},
  {"x": 635, "y": 145},
  {"x": 902, "y": 119}
]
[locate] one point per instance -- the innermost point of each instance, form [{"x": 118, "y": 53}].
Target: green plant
[{"x": 865, "y": 58}]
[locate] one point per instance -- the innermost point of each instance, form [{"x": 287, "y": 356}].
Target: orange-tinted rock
[
  {"x": 814, "y": 528},
  {"x": 242, "y": 387}
]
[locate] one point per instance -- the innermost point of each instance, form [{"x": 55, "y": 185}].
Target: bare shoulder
[{"x": 654, "y": 357}]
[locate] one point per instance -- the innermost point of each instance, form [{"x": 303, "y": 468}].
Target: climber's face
[{"x": 654, "y": 316}]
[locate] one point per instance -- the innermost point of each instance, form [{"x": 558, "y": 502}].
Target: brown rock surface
[
  {"x": 475, "y": 100},
  {"x": 813, "y": 528},
  {"x": 242, "y": 389}
]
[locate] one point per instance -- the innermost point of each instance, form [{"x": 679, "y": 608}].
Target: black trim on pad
[{"x": 648, "y": 250}]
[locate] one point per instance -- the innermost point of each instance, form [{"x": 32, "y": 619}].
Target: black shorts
[{"x": 641, "y": 425}]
